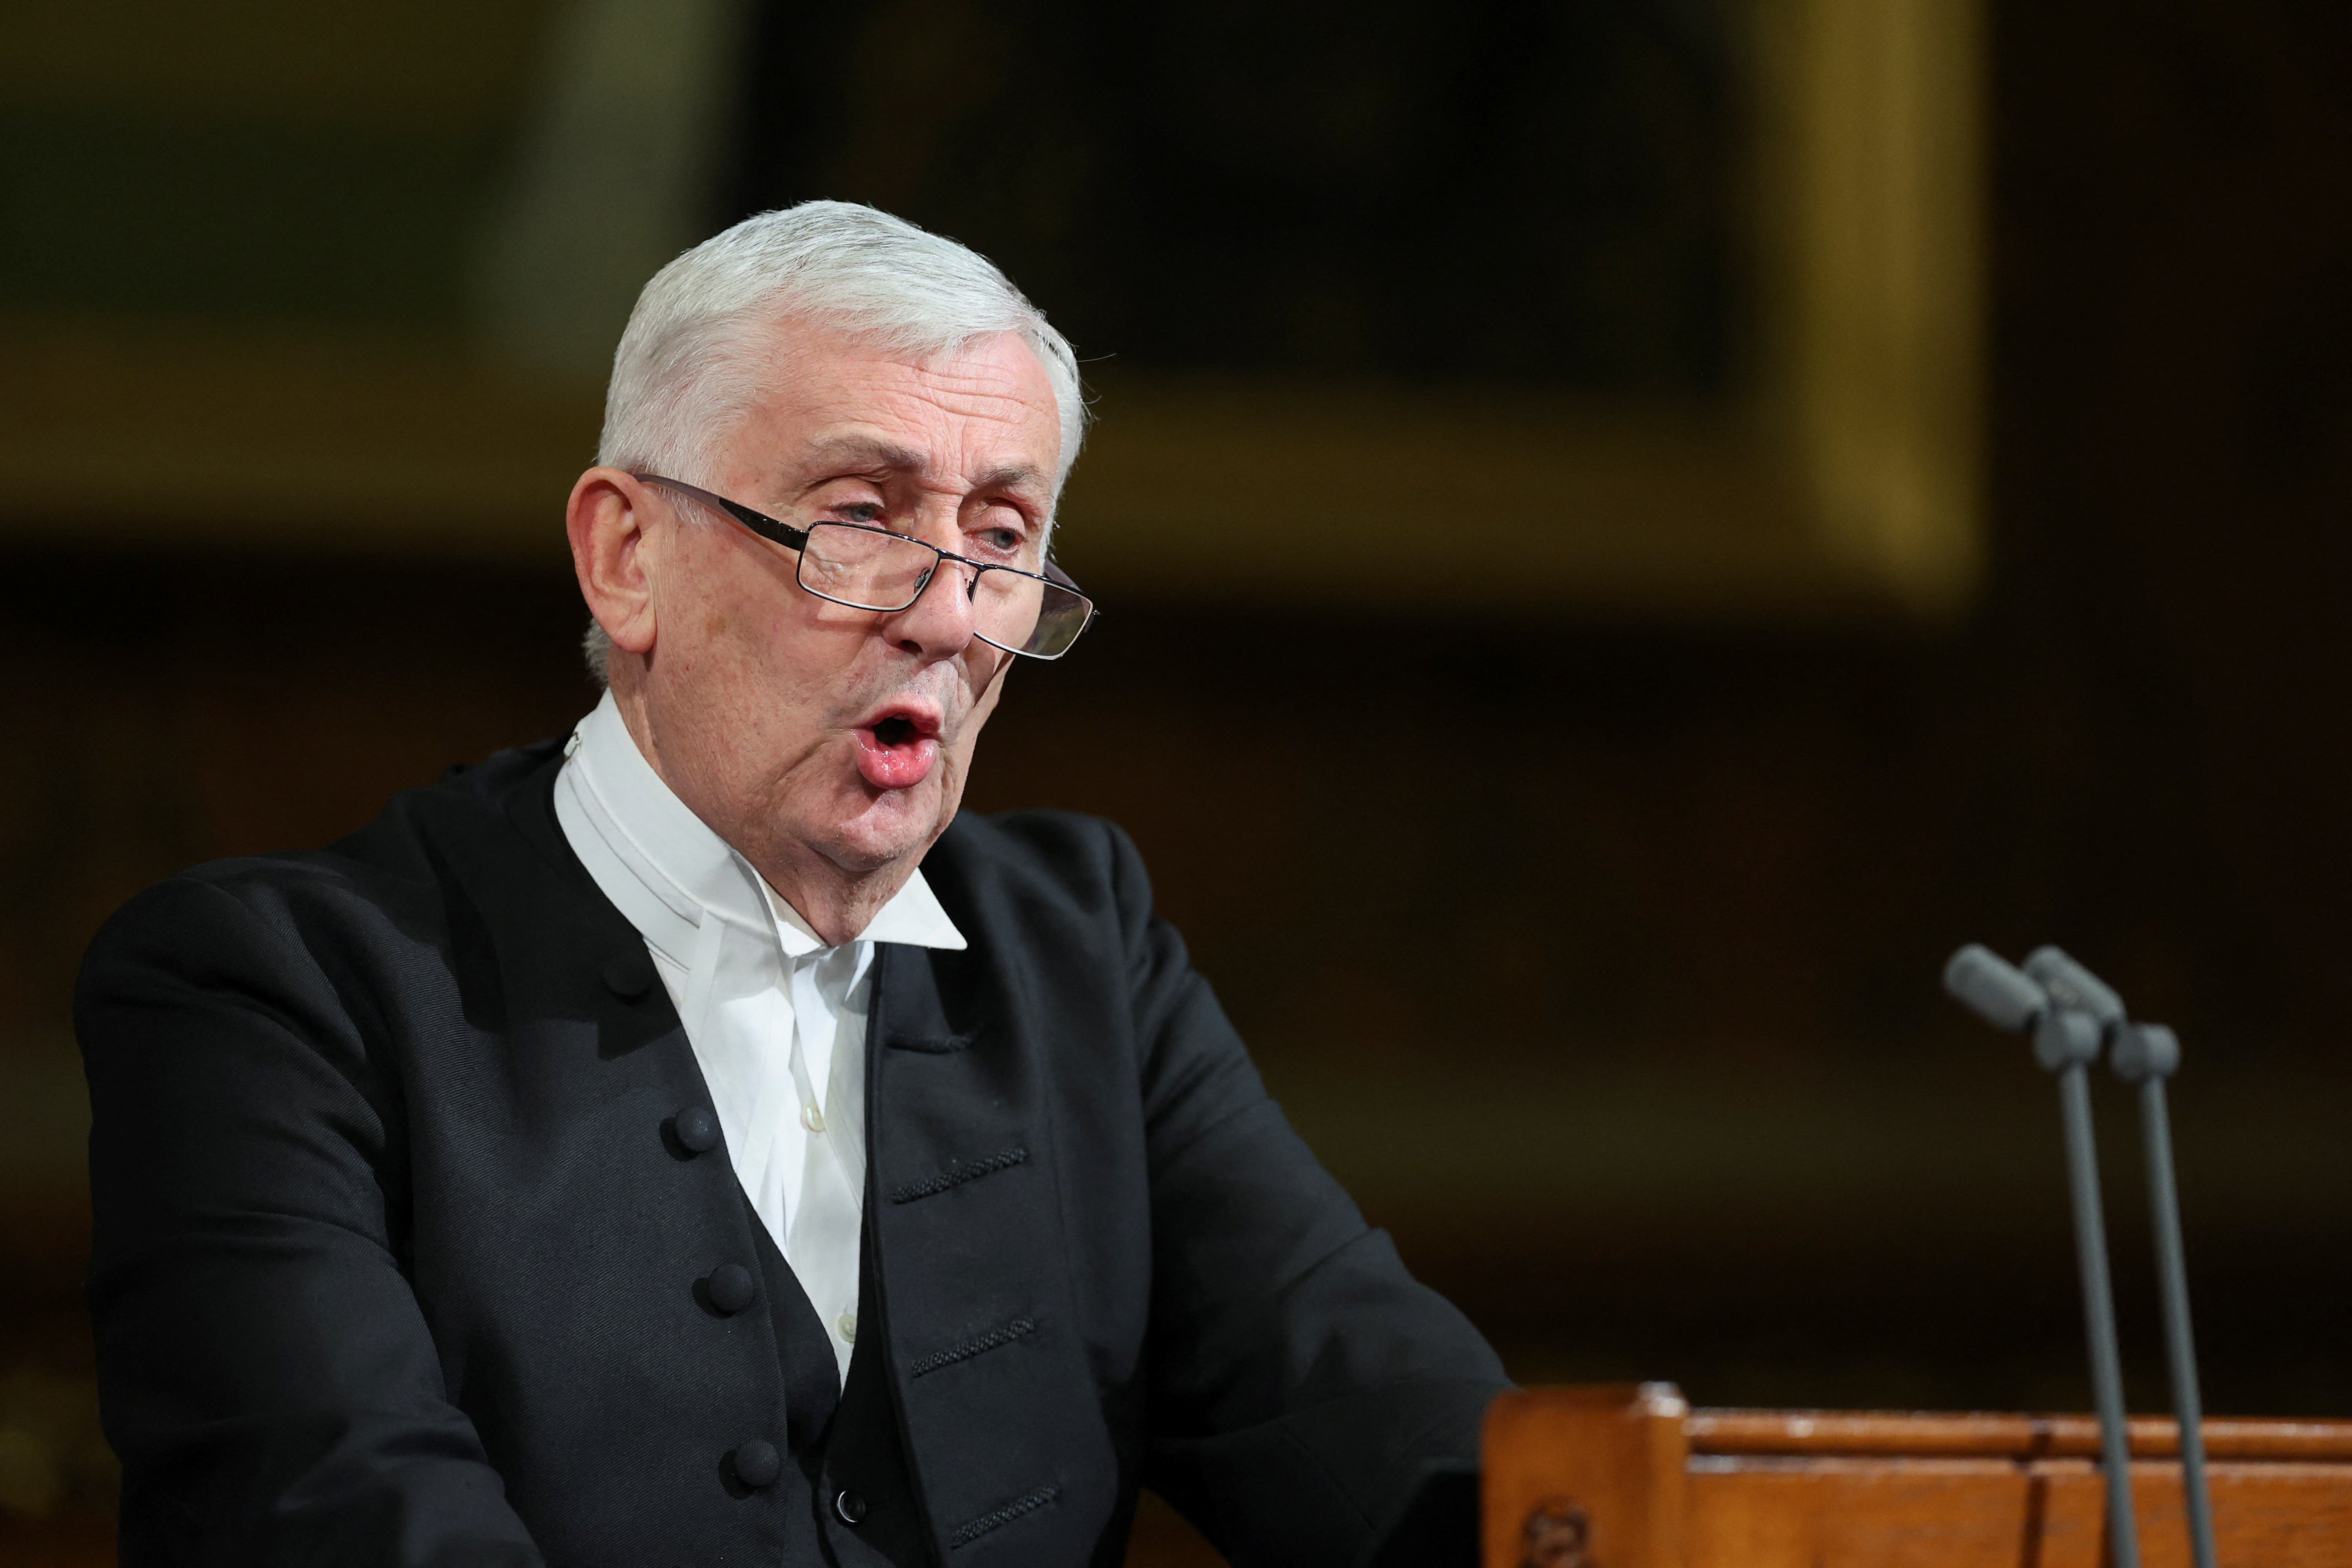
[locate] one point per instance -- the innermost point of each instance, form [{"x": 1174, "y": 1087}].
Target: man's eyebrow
[
  {"x": 1012, "y": 477},
  {"x": 869, "y": 454},
  {"x": 865, "y": 453}
]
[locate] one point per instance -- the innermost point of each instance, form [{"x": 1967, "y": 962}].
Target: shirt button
[
  {"x": 813, "y": 1118},
  {"x": 732, "y": 1287},
  {"x": 849, "y": 1506},
  {"x": 757, "y": 1463},
  {"x": 847, "y": 1323}
]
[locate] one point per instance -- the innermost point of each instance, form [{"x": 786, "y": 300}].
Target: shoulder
[
  {"x": 1044, "y": 861},
  {"x": 420, "y": 828},
  {"x": 389, "y": 876}
]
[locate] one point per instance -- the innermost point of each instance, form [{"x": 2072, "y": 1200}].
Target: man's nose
[{"x": 939, "y": 623}]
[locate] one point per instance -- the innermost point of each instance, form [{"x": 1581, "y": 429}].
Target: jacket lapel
[{"x": 1011, "y": 1450}]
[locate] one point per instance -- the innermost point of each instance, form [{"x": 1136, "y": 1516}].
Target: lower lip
[{"x": 901, "y": 766}]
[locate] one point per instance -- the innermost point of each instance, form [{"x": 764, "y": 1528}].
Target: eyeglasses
[{"x": 1035, "y": 615}]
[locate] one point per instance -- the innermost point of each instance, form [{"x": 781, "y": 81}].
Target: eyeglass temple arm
[{"x": 759, "y": 522}]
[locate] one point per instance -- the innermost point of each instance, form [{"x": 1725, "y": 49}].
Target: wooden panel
[
  {"x": 1617, "y": 1477},
  {"x": 347, "y": 441},
  {"x": 1164, "y": 1539},
  {"x": 1951, "y": 1513},
  {"x": 1991, "y": 1513},
  {"x": 1609, "y": 1485},
  {"x": 1843, "y": 480},
  {"x": 1891, "y": 1433}
]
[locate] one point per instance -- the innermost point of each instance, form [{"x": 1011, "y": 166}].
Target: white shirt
[{"x": 777, "y": 1019}]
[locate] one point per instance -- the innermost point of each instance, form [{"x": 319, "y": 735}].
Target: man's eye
[
  {"x": 1006, "y": 540},
  {"x": 868, "y": 512}
]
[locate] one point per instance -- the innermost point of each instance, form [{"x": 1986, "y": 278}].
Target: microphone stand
[
  {"x": 2148, "y": 1054},
  {"x": 2066, "y": 1042},
  {"x": 2066, "y": 1038}
]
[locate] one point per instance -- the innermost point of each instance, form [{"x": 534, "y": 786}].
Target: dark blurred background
[{"x": 1576, "y": 840}]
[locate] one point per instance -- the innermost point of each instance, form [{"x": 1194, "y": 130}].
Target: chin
[{"x": 890, "y": 828}]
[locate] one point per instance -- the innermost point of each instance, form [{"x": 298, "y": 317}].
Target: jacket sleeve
[
  {"x": 1310, "y": 1398},
  {"x": 265, "y": 1372}
]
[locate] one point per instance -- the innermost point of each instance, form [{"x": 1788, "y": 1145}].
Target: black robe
[{"x": 400, "y": 1256}]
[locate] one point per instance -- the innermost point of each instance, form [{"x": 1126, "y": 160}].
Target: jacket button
[
  {"x": 849, "y": 1506},
  {"x": 756, "y": 1463},
  {"x": 732, "y": 1287},
  {"x": 629, "y": 975},
  {"x": 697, "y": 1129}
]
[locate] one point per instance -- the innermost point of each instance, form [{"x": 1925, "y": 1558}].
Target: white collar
[{"x": 682, "y": 871}]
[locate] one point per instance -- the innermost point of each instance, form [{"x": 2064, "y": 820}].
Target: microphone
[
  {"x": 1994, "y": 991},
  {"x": 2072, "y": 985},
  {"x": 2066, "y": 1036},
  {"x": 2146, "y": 1055}
]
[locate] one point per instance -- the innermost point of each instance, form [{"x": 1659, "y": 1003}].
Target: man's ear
[{"x": 605, "y": 520}]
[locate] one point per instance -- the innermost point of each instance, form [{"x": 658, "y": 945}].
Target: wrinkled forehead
[{"x": 981, "y": 410}]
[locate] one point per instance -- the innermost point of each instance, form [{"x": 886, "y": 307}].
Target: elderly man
[{"x": 621, "y": 1153}]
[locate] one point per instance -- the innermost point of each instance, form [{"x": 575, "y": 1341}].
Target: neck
[{"x": 836, "y": 905}]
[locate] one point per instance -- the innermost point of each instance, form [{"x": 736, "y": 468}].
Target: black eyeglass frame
[{"x": 778, "y": 532}]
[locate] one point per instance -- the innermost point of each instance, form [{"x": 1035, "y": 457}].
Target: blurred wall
[{"x": 1598, "y": 956}]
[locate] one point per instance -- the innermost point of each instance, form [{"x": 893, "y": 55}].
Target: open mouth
[{"x": 898, "y": 749}]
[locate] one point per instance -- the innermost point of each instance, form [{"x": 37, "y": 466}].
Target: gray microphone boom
[
  {"x": 1993, "y": 989},
  {"x": 2146, "y": 1055},
  {"x": 2072, "y": 985},
  {"x": 2066, "y": 1038}
]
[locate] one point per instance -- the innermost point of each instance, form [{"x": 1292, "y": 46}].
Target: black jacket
[{"x": 399, "y": 1257}]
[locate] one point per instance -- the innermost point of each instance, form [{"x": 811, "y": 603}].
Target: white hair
[{"x": 690, "y": 362}]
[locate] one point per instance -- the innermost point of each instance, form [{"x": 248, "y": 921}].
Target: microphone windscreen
[
  {"x": 2144, "y": 1051},
  {"x": 1993, "y": 989},
  {"x": 2069, "y": 984}
]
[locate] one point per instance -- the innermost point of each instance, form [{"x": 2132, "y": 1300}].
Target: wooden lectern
[{"x": 1631, "y": 1477}]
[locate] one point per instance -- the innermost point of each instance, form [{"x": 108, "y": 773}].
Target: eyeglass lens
[{"x": 868, "y": 570}]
